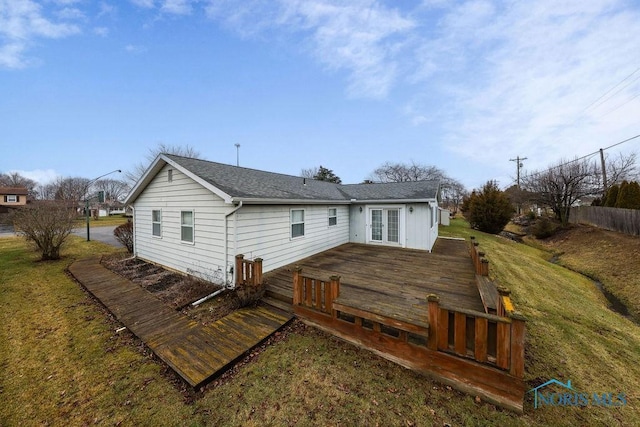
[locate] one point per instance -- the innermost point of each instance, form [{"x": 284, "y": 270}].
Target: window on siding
[
  {"x": 156, "y": 221},
  {"x": 186, "y": 226},
  {"x": 12, "y": 198},
  {"x": 333, "y": 217},
  {"x": 170, "y": 175},
  {"x": 297, "y": 223}
]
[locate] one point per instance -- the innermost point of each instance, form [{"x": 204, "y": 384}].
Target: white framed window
[
  {"x": 333, "y": 217},
  {"x": 186, "y": 226},
  {"x": 297, "y": 223},
  {"x": 11, "y": 198},
  {"x": 156, "y": 223},
  {"x": 170, "y": 175}
]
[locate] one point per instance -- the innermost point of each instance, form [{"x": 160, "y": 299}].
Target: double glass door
[{"x": 385, "y": 225}]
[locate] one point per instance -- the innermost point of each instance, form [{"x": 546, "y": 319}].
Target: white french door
[{"x": 385, "y": 225}]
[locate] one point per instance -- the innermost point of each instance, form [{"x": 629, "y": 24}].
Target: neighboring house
[
  {"x": 13, "y": 196},
  {"x": 195, "y": 216}
]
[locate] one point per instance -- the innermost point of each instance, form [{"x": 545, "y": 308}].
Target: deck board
[
  {"x": 196, "y": 352},
  {"x": 391, "y": 281}
]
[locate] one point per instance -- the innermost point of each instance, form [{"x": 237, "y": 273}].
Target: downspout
[{"x": 226, "y": 256}]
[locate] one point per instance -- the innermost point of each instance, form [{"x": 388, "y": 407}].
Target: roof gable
[
  {"x": 234, "y": 184},
  {"x": 19, "y": 191}
]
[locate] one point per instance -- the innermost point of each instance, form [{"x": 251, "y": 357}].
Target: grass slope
[
  {"x": 610, "y": 257},
  {"x": 62, "y": 363}
]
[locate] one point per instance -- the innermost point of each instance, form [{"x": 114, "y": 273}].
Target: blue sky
[{"x": 87, "y": 87}]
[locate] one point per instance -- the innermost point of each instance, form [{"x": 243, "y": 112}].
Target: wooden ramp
[{"x": 196, "y": 352}]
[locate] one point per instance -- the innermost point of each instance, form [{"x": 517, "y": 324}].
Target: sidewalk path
[{"x": 194, "y": 351}]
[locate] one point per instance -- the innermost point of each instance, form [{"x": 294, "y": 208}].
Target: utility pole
[
  {"x": 604, "y": 174},
  {"x": 519, "y": 164},
  {"x": 237, "y": 154}
]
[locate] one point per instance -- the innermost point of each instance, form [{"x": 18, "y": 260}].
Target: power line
[
  {"x": 607, "y": 92},
  {"x": 583, "y": 157}
]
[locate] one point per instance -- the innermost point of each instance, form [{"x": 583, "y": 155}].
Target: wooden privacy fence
[
  {"x": 476, "y": 352},
  {"x": 615, "y": 219},
  {"x": 248, "y": 272}
]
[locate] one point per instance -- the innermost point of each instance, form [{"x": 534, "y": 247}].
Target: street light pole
[{"x": 86, "y": 199}]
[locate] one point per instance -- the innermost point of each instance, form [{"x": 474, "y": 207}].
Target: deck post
[
  {"x": 239, "y": 270},
  {"x": 484, "y": 264},
  {"x": 518, "y": 328},
  {"x": 297, "y": 286},
  {"x": 335, "y": 293},
  {"x": 433, "y": 303},
  {"x": 257, "y": 272},
  {"x": 503, "y": 293}
]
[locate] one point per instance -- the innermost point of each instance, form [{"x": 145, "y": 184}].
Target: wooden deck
[
  {"x": 389, "y": 281},
  {"x": 194, "y": 351},
  {"x": 421, "y": 310}
]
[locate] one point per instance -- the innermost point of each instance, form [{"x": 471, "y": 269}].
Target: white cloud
[
  {"x": 101, "y": 31},
  {"x": 41, "y": 176},
  {"x": 518, "y": 78},
  {"x": 70, "y": 13},
  {"x": 148, "y": 4},
  {"x": 21, "y": 23},
  {"x": 362, "y": 37},
  {"x": 177, "y": 7},
  {"x": 135, "y": 49}
]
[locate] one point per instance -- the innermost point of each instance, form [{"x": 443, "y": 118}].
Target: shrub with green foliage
[
  {"x": 543, "y": 228},
  {"x": 488, "y": 209},
  {"x": 629, "y": 195},
  {"x": 612, "y": 196}
]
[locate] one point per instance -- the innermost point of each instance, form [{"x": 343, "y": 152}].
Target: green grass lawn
[
  {"x": 63, "y": 363},
  {"x": 105, "y": 221}
]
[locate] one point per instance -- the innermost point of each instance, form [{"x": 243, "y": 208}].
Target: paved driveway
[{"x": 100, "y": 234}]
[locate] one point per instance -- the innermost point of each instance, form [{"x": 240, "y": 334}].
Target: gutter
[{"x": 226, "y": 256}]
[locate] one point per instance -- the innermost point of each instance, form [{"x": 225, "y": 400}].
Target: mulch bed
[{"x": 175, "y": 289}]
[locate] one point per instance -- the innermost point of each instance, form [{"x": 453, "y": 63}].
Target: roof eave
[
  {"x": 360, "y": 201},
  {"x": 266, "y": 201}
]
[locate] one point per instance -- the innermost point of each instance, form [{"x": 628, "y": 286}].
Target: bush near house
[
  {"x": 124, "y": 235},
  {"x": 46, "y": 225},
  {"x": 488, "y": 209}
]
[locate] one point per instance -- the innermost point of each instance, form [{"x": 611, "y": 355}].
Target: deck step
[
  {"x": 279, "y": 304},
  {"x": 283, "y": 295}
]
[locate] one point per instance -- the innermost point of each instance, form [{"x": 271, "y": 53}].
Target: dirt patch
[{"x": 175, "y": 289}]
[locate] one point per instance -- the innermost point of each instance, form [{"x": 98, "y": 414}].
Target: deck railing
[
  {"x": 315, "y": 293},
  {"x": 480, "y": 263},
  {"x": 476, "y": 352},
  {"x": 485, "y": 338},
  {"x": 248, "y": 272}
]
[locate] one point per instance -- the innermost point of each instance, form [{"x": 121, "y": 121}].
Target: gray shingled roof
[{"x": 245, "y": 183}]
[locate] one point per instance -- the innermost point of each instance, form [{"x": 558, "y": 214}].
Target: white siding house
[{"x": 195, "y": 216}]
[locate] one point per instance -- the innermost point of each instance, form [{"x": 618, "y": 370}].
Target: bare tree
[
  {"x": 401, "y": 172},
  {"x": 451, "y": 190},
  {"x": 563, "y": 184},
  {"x": 46, "y": 191},
  {"x": 309, "y": 173},
  {"x": 71, "y": 190},
  {"x": 452, "y": 193},
  {"x": 138, "y": 170},
  {"x": 620, "y": 168},
  {"x": 14, "y": 179},
  {"x": 46, "y": 225},
  {"x": 114, "y": 190}
]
